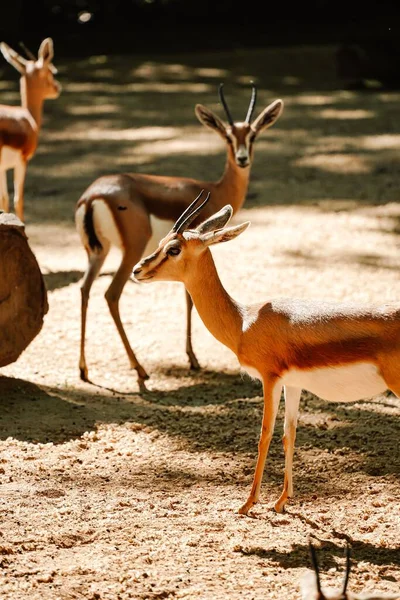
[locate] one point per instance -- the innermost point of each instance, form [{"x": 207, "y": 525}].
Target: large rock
[{"x": 23, "y": 296}]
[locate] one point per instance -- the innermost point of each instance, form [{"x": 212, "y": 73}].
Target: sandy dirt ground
[{"x": 108, "y": 494}]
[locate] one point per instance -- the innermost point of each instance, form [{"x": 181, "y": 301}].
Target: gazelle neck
[
  {"x": 219, "y": 312},
  {"x": 233, "y": 184},
  {"x": 32, "y": 101}
]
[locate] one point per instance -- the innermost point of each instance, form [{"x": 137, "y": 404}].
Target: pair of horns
[
  {"x": 190, "y": 213},
  {"x": 28, "y": 52},
  {"x": 251, "y": 105},
  {"x": 316, "y": 569}
]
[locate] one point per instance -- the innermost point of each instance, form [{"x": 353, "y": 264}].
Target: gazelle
[
  {"x": 338, "y": 352},
  {"x": 311, "y": 585},
  {"x": 20, "y": 125},
  {"x": 134, "y": 211}
]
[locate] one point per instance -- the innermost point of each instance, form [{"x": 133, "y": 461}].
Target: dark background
[{"x": 137, "y": 26}]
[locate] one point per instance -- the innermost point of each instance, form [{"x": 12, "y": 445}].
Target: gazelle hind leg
[
  {"x": 194, "y": 363},
  {"x": 113, "y": 295},
  {"x": 292, "y": 401},
  {"x": 96, "y": 260},
  {"x": 19, "y": 182},
  {"x": 272, "y": 395}
]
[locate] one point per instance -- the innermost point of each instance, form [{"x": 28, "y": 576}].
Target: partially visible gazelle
[
  {"x": 311, "y": 585},
  {"x": 20, "y": 125},
  {"x": 339, "y": 352},
  {"x": 134, "y": 211}
]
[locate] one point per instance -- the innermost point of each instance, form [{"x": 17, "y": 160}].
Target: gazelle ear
[
  {"x": 268, "y": 116},
  {"x": 46, "y": 51},
  {"x": 15, "y": 59},
  {"x": 210, "y": 119},
  {"x": 216, "y": 221},
  {"x": 223, "y": 235}
]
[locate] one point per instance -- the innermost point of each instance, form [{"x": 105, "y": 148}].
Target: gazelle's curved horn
[
  {"x": 316, "y": 568},
  {"x": 28, "y": 52},
  {"x": 190, "y": 214},
  {"x": 347, "y": 573},
  {"x": 224, "y": 104},
  {"x": 252, "y": 104}
]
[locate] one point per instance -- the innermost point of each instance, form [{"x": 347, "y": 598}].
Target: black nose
[{"x": 242, "y": 160}]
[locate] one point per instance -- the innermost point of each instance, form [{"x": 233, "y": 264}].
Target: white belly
[
  {"x": 336, "y": 384},
  {"x": 159, "y": 229},
  {"x": 339, "y": 384},
  {"x": 9, "y": 158}
]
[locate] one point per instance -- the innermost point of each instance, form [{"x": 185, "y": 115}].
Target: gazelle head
[
  {"x": 177, "y": 252},
  {"x": 240, "y": 136},
  {"x": 311, "y": 585},
  {"x": 37, "y": 74}
]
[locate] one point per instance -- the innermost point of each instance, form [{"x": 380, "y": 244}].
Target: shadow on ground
[{"x": 219, "y": 412}]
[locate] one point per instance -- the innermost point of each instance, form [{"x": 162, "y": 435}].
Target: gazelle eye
[{"x": 174, "y": 251}]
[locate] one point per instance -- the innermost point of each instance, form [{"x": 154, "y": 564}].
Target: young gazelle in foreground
[
  {"x": 20, "y": 125},
  {"x": 134, "y": 211},
  {"x": 338, "y": 352},
  {"x": 311, "y": 585}
]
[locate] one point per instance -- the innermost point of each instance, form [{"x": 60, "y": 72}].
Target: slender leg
[
  {"x": 272, "y": 395},
  {"x": 292, "y": 401},
  {"x": 113, "y": 295},
  {"x": 4, "y": 199},
  {"x": 194, "y": 363},
  {"x": 19, "y": 180},
  {"x": 96, "y": 261}
]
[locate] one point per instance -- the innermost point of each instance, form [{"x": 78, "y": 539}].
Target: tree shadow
[
  {"x": 58, "y": 279},
  {"x": 219, "y": 413},
  {"x": 328, "y": 555}
]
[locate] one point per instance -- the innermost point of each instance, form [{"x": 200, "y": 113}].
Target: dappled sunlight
[
  {"x": 386, "y": 141},
  {"x": 337, "y": 143},
  {"x": 200, "y": 143},
  {"x": 392, "y": 97},
  {"x": 312, "y": 99},
  {"x": 291, "y": 80},
  {"x": 134, "y": 134},
  {"x": 154, "y": 70},
  {"x": 91, "y": 109},
  {"x": 335, "y": 163},
  {"x": 331, "y": 113},
  {"x": 125, "y": 88}
]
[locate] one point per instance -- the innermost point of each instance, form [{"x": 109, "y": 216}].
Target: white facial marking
[
  {"x": 338, "y": 384},
  {"x": 104, "y": 224},
  {"x": 159, "y": 228},
  {"x": 242, "y": 152}
]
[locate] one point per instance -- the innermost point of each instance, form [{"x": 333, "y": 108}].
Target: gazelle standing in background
[
  {"x": 134, "y": 211},
  {"x": 20, "y": 125},
  {"x": 311, "y": 585},
  {"x": 339, "y": 352}
]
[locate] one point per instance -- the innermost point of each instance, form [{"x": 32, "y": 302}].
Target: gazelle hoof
[
  {"x": 243, "y": 510},
  {"x": 194, "y": 363},
  {"x": 84, "y": 373},
  {"x": 142, "y": 375}
]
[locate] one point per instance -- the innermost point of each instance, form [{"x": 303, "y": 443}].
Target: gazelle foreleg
[
  {"x": 4, "y": 199},
  {"x": 272, "y": 396},
  {"x": 96, "y": 260},
  {"x": 194, "y": 363},
  {"x": 19, "y": 182},
  {"x": 113, "y": 295},
  {"x": 292, "y": 401}
]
